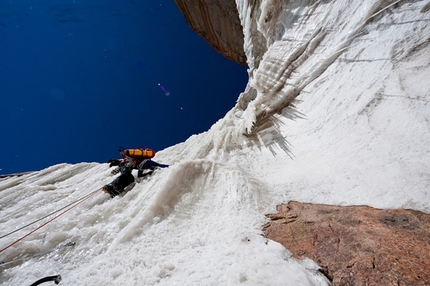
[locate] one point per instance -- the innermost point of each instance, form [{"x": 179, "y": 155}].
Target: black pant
[{"x": 123, "y": 180}]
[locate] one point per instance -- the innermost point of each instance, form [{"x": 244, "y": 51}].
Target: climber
[{"x": 132, "y": 159}]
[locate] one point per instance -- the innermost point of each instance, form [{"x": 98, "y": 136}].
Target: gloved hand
[
  {"x": 114, "y": 162},
  {"x": 115, "y": 171}
]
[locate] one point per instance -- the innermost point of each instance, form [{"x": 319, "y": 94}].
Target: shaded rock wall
[
  {"x": 357, "y": 245},
  {"x": 217, "y": 21}
]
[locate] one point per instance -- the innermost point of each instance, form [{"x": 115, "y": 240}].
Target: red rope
[{"x": 60, "y": 214}]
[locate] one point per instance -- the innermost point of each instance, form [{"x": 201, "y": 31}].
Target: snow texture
[{"x": 335, "y": 112}]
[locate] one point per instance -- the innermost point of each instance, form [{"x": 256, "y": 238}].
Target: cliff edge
[{"x": 218, "y": 23}]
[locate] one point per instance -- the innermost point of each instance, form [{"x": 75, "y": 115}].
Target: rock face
[
  {"x": 217, "y": 21},
  {"x": 357, "y": 245}
]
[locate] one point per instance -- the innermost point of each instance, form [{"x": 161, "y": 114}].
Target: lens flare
[{"x": 166, "y": 92}]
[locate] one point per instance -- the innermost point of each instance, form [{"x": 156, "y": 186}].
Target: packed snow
[{"x": 335, "y": 112}]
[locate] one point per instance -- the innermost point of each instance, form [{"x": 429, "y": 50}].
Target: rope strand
[
  {"x": 48, "y": 215},
  {"x": 34, "y": 230}
]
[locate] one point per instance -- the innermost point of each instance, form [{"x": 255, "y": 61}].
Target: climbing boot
[{"x": 111, "y": 190}]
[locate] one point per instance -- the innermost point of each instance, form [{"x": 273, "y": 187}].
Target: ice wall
[
  {"x": 290, "y": 44},
  {"x": 335, "y": 112},
  {"x": 353, "y": 74}
]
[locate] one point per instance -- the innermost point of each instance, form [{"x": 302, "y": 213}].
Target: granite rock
[
  {"x": 217, "y": 21},
  {"x": 356, "y": 245}
]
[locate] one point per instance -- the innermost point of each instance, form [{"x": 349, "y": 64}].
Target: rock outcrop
[
  {"x": 217, "y": 21},
  {"x": 357, "y": 245}
]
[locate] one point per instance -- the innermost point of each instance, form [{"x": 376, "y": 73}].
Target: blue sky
[{"x": 81, "y": 78}]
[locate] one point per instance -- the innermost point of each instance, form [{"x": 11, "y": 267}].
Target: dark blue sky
[{"x": 80, "y": 78}]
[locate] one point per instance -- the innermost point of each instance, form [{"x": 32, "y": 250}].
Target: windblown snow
[{"x": 336, "y": 111}]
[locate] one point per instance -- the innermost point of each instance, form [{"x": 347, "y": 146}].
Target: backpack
[{"x": 138, "y": 153}]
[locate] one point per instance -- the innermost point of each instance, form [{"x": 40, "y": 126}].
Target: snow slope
[{"x": 336, "y": 112}]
